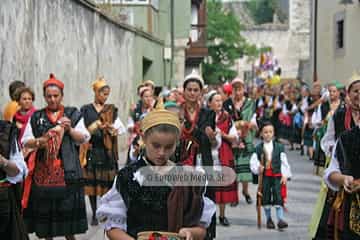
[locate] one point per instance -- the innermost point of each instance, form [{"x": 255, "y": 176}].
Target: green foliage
[
  {"x": 262, "y": 11},
  {"x": 225, "y": 44}
]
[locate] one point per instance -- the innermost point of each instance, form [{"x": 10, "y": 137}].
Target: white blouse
[
  {"x": 80, "y": 126},
  {"x": 333, "y": 167},
  {"x": 17, "y": 158},
  {"x": 269, "y": 147},
  {"x": 119, "y": 126},
  {"x": 328, "y": 140},
  {"x": 112, "y": 210}
]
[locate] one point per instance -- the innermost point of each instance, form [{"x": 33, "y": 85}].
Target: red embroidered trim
[
  {"x": 187, "y": 132},
  {"x": 348, "y": 117},
  {"x": 51, "y": 117}
]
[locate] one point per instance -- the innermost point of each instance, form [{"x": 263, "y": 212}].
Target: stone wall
[
  {"x": 68, "y": 38},
  {"x": 290, "y": 42}
]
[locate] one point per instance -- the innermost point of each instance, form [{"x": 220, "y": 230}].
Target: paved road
[{"x": 302, "y": 195}]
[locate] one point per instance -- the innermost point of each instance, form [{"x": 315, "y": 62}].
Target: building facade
[
  {"x": 179, "y": 28},
  {"x": 335, "y": 40}
]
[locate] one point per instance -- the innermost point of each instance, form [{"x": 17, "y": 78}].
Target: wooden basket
[{"x": 155, "y": 235}]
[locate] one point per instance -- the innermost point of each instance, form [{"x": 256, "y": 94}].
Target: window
[
  {"x": 155, "y": 4},
  {"x": 340, "y": 34}
]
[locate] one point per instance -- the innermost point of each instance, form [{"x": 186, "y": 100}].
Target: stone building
[
  {"x": 290, "y": 40},
  {"x": 335, "y": 40},
  {"x": 78, "y": 40},
  {"x": 179, "y": 25}
]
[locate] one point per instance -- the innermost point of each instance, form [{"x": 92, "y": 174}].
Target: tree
[
  {"x": 225, "y": 44},
  {"x": 262, "y": 11}
]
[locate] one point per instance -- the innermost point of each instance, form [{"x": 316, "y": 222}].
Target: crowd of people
[{"x": 52, "y": 157}]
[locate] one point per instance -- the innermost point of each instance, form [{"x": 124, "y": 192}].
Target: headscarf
[
  {"x": 99, "y": 83},
  {"x": 53, "y": 81}
]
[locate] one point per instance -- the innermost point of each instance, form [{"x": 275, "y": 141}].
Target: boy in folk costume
[{"x": 270, "y": 160}]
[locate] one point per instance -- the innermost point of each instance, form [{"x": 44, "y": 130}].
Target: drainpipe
[
  {"x": 315, "y": 40},
  {"x": 172, "y": 35}
]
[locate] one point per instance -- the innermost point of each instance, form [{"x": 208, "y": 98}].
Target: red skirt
[{"x": 226, "y": 194}]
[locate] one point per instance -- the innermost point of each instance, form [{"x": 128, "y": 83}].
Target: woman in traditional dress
[
  {"x": 324, "y": 112},
  {"x": 132, "y": 206},
  {"x": 289, "y": 109},
  {"x": 56, "y": 205},
  {"x": 227, "y": 131},
  {"x": 12, "y": 171},
  {"x": 101, "y": 153},
  {"x": 303, "y": 105},
  {"x": 198, "y": 133},
  {"x": 343, "y": 176},
  {"x": 198, "y": 129},
  {"x": 345, "y": 118},
  {"x": 25, "y": 98},
  {"x": 242, "y": 108},
  {"x": 144, "y": 106}
]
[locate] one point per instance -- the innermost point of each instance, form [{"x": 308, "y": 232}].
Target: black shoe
[
  {"x": 270, "y": 224},
  {"x": 282, "y": 224},
  {"x": 234, "y": 204},
  {"x": 248, "y": 198},
  {"x": 94, "y": 222},
  {"x": 224, "y": 221}
]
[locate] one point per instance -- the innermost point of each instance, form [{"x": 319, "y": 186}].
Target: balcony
[{"x": 196, "y": 49}]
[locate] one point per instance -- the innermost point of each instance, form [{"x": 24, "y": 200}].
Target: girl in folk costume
[
  {"x": 322, "y": 115},
  {"x": 303, "y": 106},
  {"x": 12, "y": 107},
  {"x": 242, "y": 108},
  {"x": 198, "y": 133},
  {"x": 266, "y": 105},
  {"x": 344, "y": 118},
  {"x": 132, "y": 206},
  {"x": 270, "y": 160},
  {"x": 227, "y": 131},
  {"x": 55, "y": 206},
  {"x": 289, "y": 108},
  {"x": 308, "y": 124},
  {"x": 25, "y": 98},
  {"x": 12, "y": 171},
  {"x": 100, "y": 155},
  {"x": 144, "y": 106}
]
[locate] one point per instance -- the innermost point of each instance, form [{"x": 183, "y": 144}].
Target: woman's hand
[
  {"x": 210, "y": 133},
  {"x": 65, "y": 123},
  {"x": 186, "y": 233},
  {"x": 347, "y": 183}
]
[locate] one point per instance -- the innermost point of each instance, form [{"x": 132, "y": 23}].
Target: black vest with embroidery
[
  {"x": 146, "y": 205},
  {"x": 69, "y": 151},
  {"x": 6, "y": 141},
  {"x": 339, "y": 121},
  {"x": 275, "y": 157},
  {"x": 348, "y": 152}
]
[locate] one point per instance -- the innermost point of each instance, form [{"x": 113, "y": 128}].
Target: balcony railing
[
  {"x": 196, "y": 49},
  {"x": 198, "y": 34}
]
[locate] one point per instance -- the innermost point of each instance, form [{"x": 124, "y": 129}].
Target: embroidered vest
[
  {"x": 146, "y": 206},
  {"x": 275, "y": 158},
  {"x": 339, "y": 121}
]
